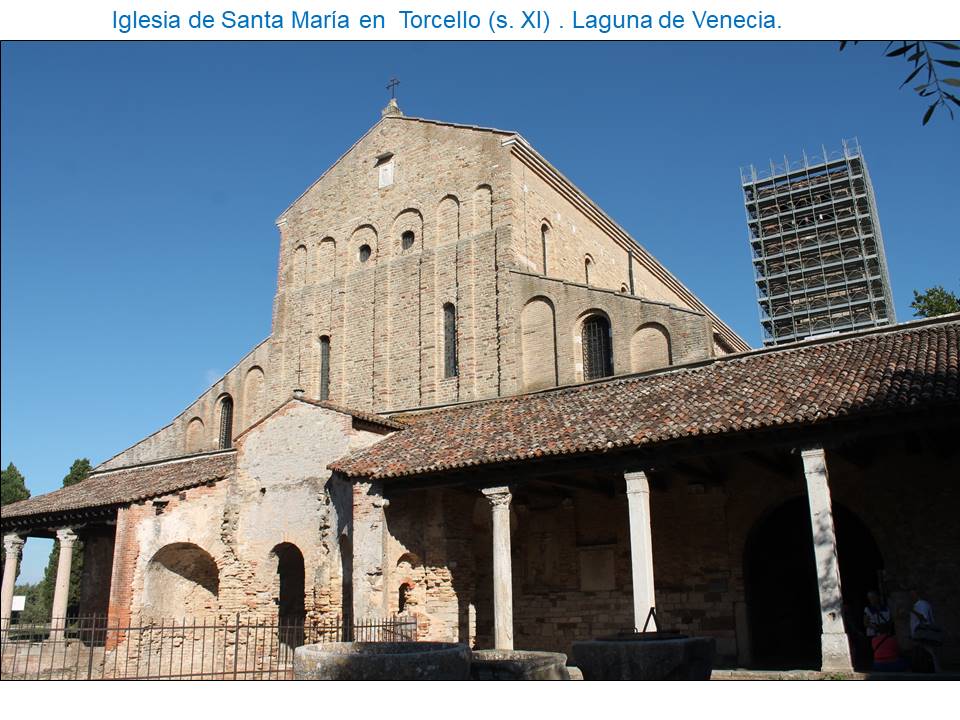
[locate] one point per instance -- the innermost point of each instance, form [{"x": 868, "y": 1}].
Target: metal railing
[{"x": 225, "y": 647}]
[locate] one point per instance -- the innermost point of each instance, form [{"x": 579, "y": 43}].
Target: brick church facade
[{"x": 484, "y": 405}]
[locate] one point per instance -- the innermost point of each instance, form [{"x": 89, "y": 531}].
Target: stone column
[
  {"x": 61, "y": 589},
  {"x": 499, "y": 498},
  {"x": 834, "y": 646},
  {"x": 12, "y": 545},
  {"x": 641, "y": 546}
]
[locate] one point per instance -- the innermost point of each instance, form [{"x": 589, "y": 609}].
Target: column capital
[
  {"x": 499, "y": 496},
  {"x": 812, "y": 450},
  {"x": 66, "y": 537},
  {"x": 637, "y": 481},
  {"x": 13, "y": 543}
]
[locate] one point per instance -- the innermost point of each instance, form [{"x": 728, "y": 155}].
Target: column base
[{"x": 835, "y": 653}]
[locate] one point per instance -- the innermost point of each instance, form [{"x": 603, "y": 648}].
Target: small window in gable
[
  {"x": 385, "y": 167},
  {"x": 407, "y": 239},
  {"x": 364, "y": 253}
]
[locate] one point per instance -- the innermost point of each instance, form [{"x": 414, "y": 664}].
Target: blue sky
[{"x": 140, "y": 183}]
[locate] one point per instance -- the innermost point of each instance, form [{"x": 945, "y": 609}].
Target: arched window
[
  {"x": 226, "y": 422},
  {"x": 407, "y": 239},
  {"x": 544, "y": 237},
  {"x": 587, "y": 267},
  {"x": 404, "y": 596},
  {"x": 449, "y": 340},
  {"x": 597, "y": 348},
  {"x": 364, "y": 253},
  {"x": 324, "y": 367}
]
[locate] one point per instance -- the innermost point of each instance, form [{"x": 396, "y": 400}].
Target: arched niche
[
  {"x": 298, "y": 267},
  {"x": 650, "y": 348},
  {"x": 195, "y": 435},
  {"x": 253, "y": 384},
  {"x": 538, "y": 344},
  {"x": 326, "y": 259},
  {"x": 181, "y": 580},
  {"x": 448, "y": 221},
  {"x": 482, "y": 208}
]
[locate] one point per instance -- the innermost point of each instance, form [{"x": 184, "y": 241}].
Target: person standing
[
  {"x": 878, "y": 627},
  {"x": 925, "y": 634}
]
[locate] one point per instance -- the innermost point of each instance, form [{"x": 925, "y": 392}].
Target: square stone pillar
[
  {"x": 499, "y": 498},
  {"x": 641, "y": 546},
  {"x": 834, "y": 645},
  {"x": 12, "y": 546},
  {"x": 368, "y": 528},
  {"x": 67, "y": 538}
]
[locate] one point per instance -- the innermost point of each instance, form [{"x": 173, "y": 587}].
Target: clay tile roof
[
  {"x": 912, "y": 367},
  {"x": 126, "y": 485},
  {"x": 368, "y": 417}
]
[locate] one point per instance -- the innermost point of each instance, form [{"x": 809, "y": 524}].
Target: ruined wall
[
  {"x": 280, "y": 492},
  {"x": 430, "y": 548}
]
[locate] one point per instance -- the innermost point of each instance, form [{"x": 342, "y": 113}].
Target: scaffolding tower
[{"x": 816, "y": 246}]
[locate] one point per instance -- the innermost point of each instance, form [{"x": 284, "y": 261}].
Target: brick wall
[{"x": 281, "y": 492}]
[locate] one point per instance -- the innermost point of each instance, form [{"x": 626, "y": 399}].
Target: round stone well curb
[
  {"x": 382, "y": 661},
  {"x": 668, "y": 657},
  {"x": 518, "y": 665}
]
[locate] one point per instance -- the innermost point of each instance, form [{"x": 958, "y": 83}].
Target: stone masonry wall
[
  {"x": 560, "y": 351},
  {"x": 571, "y": 565},
  {"x": 384, "y": 315},
  {"x": 281, "y": 492},
  {"x": 572, "y": 237},
  {"x": 460, "y": 213}
]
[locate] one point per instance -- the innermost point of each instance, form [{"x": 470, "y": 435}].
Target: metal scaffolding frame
[{"x": 817, "y": 249}]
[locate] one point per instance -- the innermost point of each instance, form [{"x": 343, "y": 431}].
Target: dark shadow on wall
[{"x": 781, "y": 580}]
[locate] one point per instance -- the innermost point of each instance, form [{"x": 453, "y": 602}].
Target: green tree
[
  {"x": 34, "y": 610},
  {"x": 78, "y": 473},
  {"x": 934, "y": 301},
  {"x": 924, "y": 68},
  {"x": 13, "y": 487}
]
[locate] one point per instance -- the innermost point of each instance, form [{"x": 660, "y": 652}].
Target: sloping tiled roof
[
  {"x": 894, "y": 369},
  {"x": 368, "y": 417},
  {"x": 120, "y": 487}
]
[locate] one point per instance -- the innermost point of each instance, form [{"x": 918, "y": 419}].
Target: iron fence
[{"x": 226, "y": 647}]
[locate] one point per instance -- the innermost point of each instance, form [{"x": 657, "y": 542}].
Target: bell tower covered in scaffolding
[{"x": 816, "y": 246}]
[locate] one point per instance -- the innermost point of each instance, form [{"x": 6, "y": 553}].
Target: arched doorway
[
  {"x": 783, "y": 602},
  {"x": 290, "y": 598}
]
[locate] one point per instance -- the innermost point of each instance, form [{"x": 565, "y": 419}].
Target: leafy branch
[{"x": 917, "y": 52}]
